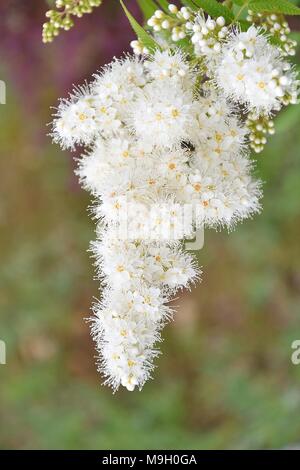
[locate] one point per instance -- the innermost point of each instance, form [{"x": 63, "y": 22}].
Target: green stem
[{"x": 240, "y": 11}]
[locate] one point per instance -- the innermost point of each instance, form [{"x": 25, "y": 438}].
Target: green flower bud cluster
[
  {"x": 61, "y": 19},
  {"x": 278, "y": 27},
  {"x": 259, "y": 127}
]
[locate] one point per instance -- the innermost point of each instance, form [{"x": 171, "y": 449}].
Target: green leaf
[
  {"x": 142, "y": 35},
  {"x": 274, "y": 6},
  {"x": 214, "y": 9},
  {"x": 148, "y": 7},
  {"x": 189, "y": 3},
  {"x": 239, "y": 2},
  {"x": 164, "y": 5}
]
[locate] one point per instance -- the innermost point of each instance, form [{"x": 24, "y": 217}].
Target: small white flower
[
  {"x": 162, "y": 114},
  {"x": 119, "y": 82},
  {"x": 167, "y": 65},
  {"x": 106, "y": 117},
  {"x": 74, "y": 121}
]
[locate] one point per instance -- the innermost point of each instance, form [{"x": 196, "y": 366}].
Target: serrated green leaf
[
  {"x": 142, "y": 35},
  {"x": 214, "y": 9},
  {"x": 274, "y": 6},
  {"x": 148, "y": 7},
  {"x": 239, "y": 2}
]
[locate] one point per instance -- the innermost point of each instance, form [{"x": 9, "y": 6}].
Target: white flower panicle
[{"x": 166, "y": 155}]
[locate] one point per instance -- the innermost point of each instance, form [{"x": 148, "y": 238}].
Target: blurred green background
[{"x": 225, "y": 379}]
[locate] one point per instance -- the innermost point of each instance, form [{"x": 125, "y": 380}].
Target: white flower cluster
[
  {"x": 252, "y": 72},
  {"x": 208, "y": 34},
  {"x": 246, "y": 67},
  {"x": 154, "y": 140}
]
